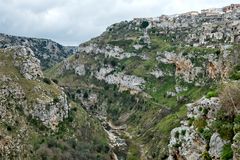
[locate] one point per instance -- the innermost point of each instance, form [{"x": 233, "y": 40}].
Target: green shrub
[
  {"x": 85, "y": 95},
  {"x": 144, "y": 24},
  {"x": 212, "y": 94},
  {"x": 79, "y": 91},
  {"x": 47, "y": 81},
  {"x": 190, "y": 121},
  {"x": 207, "y": 133},
  {"x": 205, "y": 111},
  {"x": 226, "y": 152},
  {"x": 235, "y": 76},
  {"x": 183, "y": 132},
  {"x": 56, "y": 100},
  {"x": 113, "y": 63},
  {"x": 237, "y": 124},
  {"x": 176, "y": 134},
  {"x": 224, "y": 128}
]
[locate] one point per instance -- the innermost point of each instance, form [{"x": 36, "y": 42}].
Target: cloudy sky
[{"x": 71, "y": 22}]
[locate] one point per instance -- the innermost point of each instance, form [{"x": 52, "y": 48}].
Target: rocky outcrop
[
  {"x": 28, "y": 65},
  {"x": 157, "y": 73},
  {"x": 125, "y": 82},
  {"x": 107, "y": 51},
  {"x": 204, "y": 107},
  {"x": 184, "y": 66},
  {"x": 186, "y": 142},
  {"x": 218, "y": 66},
  {"x": 216, "y": 145},
  {"x": 52, "y": 111},
  {"x": 80, "y": 70}
]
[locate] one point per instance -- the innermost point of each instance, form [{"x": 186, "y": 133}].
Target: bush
[
  {"x": 235, "y": 75},
  {"x": 237, "y": 124},
  {"x": 207, "y": 133},
  {"x": 205, "y": 111},
  {"x": 85, "y": 95},
  {"x": 211, "y": 94},
  {"x": 206, "y": 156},
  {"x": 46, "y": 80},
  {"x": 176, "y": 134},
  {"x": 226, "y": 152},
  {"x": 224, "y": 128},
  {"x": 144, "y": 24},
  {"x": 183, "y": 132},
  {"x": 56, "y": 100},
  {"x": 113, "y": 63}
]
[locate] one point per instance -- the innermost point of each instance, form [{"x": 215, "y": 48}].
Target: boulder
[
  {"x": 216, "y": 145},
  {"x": 236, "y": 147}
]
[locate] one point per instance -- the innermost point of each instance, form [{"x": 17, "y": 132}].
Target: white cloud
[{"x": 74, "y": 21}]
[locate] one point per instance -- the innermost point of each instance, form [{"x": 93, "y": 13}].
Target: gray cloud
[{"x": 73, "y": 21}]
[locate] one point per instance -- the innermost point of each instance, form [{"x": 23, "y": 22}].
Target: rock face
[
  {"x": 126, "y": 82},
  {"x": 185, "y": 143},
  {"x": 157, "y": 73},
  {"x": 216, "y": 145},
  {"x": 47, "y": 51},
  {"x": 29, "y": 65},
  {"x": 107, "y": 51},
  {"x": 80, "y": 70},
  {"x": 209, "y": 106},
  {"x": 216, "y": 67},
  {"x": 51, "y": 112}
]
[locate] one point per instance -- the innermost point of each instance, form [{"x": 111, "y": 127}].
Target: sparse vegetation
[
  {"x": 230, "y": 99},
  {"x": 226, "y": 152}
]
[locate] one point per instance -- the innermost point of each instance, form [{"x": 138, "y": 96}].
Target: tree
[
  {"x": 85, "y": 95},
  {"x": 144, "y": 24}
]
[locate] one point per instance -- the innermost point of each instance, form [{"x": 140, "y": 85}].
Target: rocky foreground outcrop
[{"x": 195, "y": 139}]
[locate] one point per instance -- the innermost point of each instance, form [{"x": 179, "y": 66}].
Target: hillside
[
  {"x": 48, "y": 51},
  {"x": 142, "y": 73},
  {"x": 147, "y": 89},
  {"x": 37, "y": 118}
]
